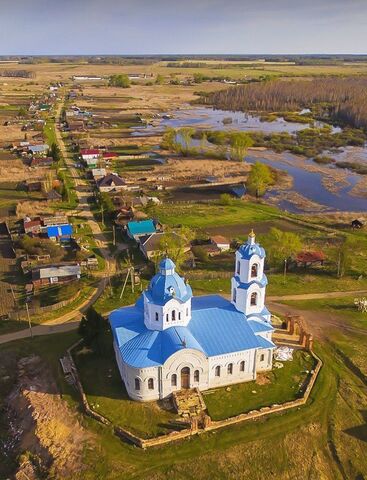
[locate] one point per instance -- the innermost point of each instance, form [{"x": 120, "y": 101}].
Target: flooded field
[{"x": 207, "y": 117}]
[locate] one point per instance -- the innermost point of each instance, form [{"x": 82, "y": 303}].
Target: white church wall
[
  {"x": 158, "y": 317},
  {"x": 185, "y": 358},
  {"x": 264, "y": 359},
  {"x": 227, "y": 378}
]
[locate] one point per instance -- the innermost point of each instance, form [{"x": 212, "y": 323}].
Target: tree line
[{"x": 339, "y": 99}]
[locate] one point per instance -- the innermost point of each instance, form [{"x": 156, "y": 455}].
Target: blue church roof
[
  {"x": 167, "y": 284},
  {"x": 261, "y": 283},
  {"x": 215, "y": 328},
  {"x": 248, "y": 249}
]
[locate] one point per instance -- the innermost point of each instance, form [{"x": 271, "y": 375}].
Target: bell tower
[{"x": 249, "y": 281}]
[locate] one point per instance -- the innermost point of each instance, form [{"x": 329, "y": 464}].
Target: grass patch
[
  {"x": 285, "y": 384},
  {"x": 107, "y": 395}
]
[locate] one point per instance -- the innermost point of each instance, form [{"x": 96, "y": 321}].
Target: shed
[{"x": 135, "y": 230}]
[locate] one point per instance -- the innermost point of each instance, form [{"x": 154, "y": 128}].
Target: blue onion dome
[
  {"x": 250, "y": 248},
  {"x": 167, "y": 284}
]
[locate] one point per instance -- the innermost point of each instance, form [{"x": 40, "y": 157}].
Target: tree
[
  {"x": 199, "y": 78},
  {"x": 344, "y": 254},
  {"x": 55, "y": 152},
  {"x": 239, "y": 143},
  {"x": 106, "y": 203},
  {"x": 92, "y": 329},
  {"x": 169, "y": 139},
  {"x": 159, "y": 80},
  {"x": 260, "y": 177},
  {"x": 121, "y": 80},
  {"x": 281, "y": 246},
  {"x": 174, "y": 243}
]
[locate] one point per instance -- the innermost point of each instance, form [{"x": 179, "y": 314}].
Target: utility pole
[
  {"x": 29, "y": 319},
  {"x": 102, "y": 214},
  {"x": 114, "y": 234},
  {"x": 285, "y": 268}
]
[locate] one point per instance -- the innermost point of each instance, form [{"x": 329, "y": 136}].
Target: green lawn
[
  {"x": 205, "y": 215},
  {"x": 107, "y": 395},
  {"x": 284, "y": 385}
]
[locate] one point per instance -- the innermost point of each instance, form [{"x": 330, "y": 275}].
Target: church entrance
[{"x": 185, "y": 377}]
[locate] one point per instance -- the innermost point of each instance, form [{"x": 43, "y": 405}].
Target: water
[
  {"x": 211, "y": 119},
  {"x": 309, "y": 185}
]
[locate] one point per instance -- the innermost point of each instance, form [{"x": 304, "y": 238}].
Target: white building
[{"x": 171, "y": 340}]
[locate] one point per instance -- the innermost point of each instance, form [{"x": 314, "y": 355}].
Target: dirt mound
[{"x": 50, "y": 436}]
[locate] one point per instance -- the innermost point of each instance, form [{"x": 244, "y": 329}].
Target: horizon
[{"x": 202, "y": 27}]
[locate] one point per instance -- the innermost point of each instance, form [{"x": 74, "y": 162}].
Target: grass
[
  {"x": 285, "y": 384},
  {"x": 107, "y": 395},
  {"x": 205, "y": 215}
]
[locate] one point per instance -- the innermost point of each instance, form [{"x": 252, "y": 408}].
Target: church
[{"x": 171, "y": 340}]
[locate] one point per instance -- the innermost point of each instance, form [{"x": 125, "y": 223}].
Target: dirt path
[
  {"x": 315, "y": 296},
  {"x": 318, "y": 322}
]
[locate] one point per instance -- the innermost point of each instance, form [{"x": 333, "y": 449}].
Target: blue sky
[{"x": 182, "y": 26}]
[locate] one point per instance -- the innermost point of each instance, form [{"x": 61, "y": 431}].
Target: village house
[
  {"x": 55, "y": 274},
  {"x": 220, "y": 242},
  {"x": 111, "y": 183},
  {"x": 137, "y": 229},
  {"x": 41, "y": 162},
  {"x": 32, "y": 227},
  {"x": 59, "y": 233},
  {"x": 152, "y": 245},
  {"x": 40, "y": 149},
  {"x": 90, "y": 154},
  {"x": 54, "y": 196},
  {"x": 33, "y": 186},
  {"x": 98, "y": 173},
  {"x": 171, "y": 340}
]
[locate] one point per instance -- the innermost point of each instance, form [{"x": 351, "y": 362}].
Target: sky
[{"x": 66, "y": 27}]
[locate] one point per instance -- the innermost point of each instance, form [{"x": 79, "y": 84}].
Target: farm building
[
  {"x": 60, "y": 219},
  {"x": 171, "y": 340},
  {"x": 55, "y": 274},
  {"x": 141, "y": 228}
]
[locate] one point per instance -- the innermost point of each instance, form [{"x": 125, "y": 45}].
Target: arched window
[
  {"x": 156, "y": 316},
  {"x": 174, "y": 380},
  {"x": 217, "y": 371},
  {"x": 242, "y": 366},
  {"x": 179, "y": 315},
  {"x": 187, "y": 312},
  {"x": 230, "y": 368},
  {"x": 151, "y": 384},
  {"x": 238, "y": 267},
  {"x": 196, "y": 376},
  {"x": 234, "y": 294},
  {"x": 167, "y": 318},
  {"x": 173, "y": 315},
  {"x": 137, "y": 384},
  {"x": 254, "y": 270},
  {"x": 254, "y": 298},
  {"x": 262, "y": 357}
]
